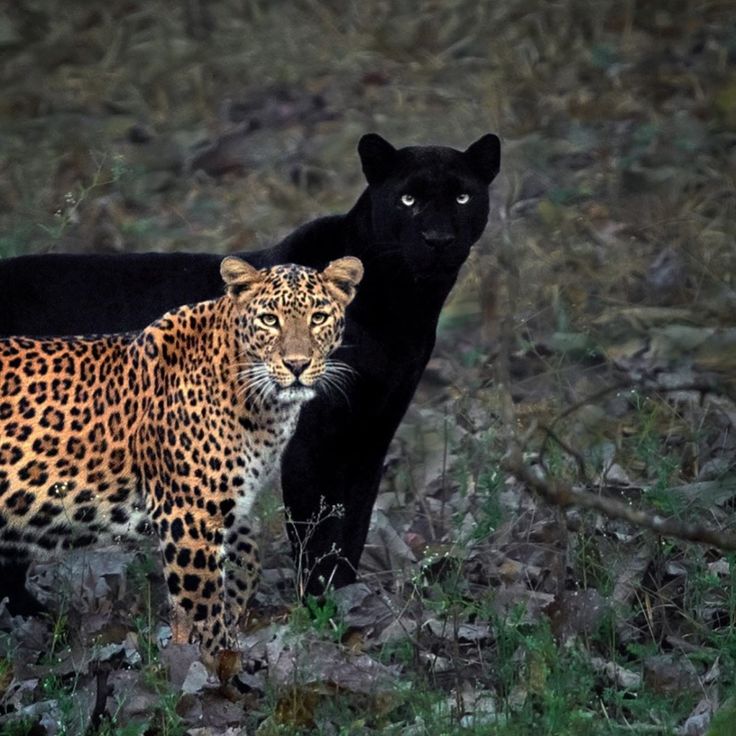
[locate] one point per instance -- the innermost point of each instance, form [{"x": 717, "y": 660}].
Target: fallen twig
[{"x": 563, "y": 495}]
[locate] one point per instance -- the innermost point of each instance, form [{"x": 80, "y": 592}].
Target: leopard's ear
[
  {"x": 342, "y": 276},
  {"x": 239, "y": 276},
  {"x": 484, "y": 157},
  {"x": 377, "y": 156}
]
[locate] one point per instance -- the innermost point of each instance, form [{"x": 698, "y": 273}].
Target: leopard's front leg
[
  {"x": 195, "y": 557},
  {"x": 242, "y": 569}
]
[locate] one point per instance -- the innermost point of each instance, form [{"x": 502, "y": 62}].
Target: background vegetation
[{"x": 606, "y": 271}]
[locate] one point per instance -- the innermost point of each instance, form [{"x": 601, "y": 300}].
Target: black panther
[{"x": 412, "y": 227}]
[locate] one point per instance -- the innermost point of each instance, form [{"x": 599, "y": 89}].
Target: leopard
[
  {"x": 171, "y": 432},
  {"x": 413, "y": 226}
]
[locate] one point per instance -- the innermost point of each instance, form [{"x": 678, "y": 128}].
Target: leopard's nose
[
  {"x": 297, "y": 365},
  {"x": 437, "y": 240}
]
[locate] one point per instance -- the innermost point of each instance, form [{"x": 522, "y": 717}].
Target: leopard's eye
[
  {"x": 319, "y": 318},
  {"x": 462, "y": 198},
  {"x": 268, "y": 319},
  {"x": 407, "y": 200}
]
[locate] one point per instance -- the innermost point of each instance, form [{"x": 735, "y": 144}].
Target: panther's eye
[
  {"x": 319, "y": 318},
  {"x": 268, "y": 319},
  {"x": 462, "y": 198},
  {"x": 407, "y": 200}
]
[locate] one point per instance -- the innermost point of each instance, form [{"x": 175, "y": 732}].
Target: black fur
[{"x": 411, "y": 253}]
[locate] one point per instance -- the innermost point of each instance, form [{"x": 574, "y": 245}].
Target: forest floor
[{"x": 589, "y": 347}]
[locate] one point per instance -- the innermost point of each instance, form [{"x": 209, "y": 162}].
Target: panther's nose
[
  {"x": 437, "y": 240},
  {"x": 297, "y": 365}
]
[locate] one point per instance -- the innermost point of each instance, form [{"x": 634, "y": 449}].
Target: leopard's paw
[{"x": 227, "y": 664}]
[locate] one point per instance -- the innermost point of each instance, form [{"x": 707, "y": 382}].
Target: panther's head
[
  {"x": 430, "y": 202},
  {"x": 290, "y": 319}
]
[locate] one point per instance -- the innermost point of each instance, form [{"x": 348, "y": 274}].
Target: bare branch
[{"x": 564, "y": 495}]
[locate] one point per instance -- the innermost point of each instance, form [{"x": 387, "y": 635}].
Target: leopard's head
[{"x": 290, "y": 318}]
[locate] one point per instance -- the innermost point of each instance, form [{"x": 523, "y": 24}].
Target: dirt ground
[{"x": 593, "y": 329}]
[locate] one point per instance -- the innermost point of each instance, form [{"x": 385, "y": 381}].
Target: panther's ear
[
  {"x": 484, "y": 157},
  {"x": 239, "y": 276},
  {"x": 377, "y": 157},
  {"x": 342, "y": 276}
]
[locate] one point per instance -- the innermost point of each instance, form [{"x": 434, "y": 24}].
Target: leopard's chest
[{"x": 261, "y": 452}]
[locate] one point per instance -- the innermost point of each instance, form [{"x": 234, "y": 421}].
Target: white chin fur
[{"x": 296, "y": 393}]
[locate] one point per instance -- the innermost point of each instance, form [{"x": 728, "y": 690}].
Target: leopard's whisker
[
  {"x": 249, "y": 368},
  {"x": 338, "y": 366},
  {"x": 339, "y": 375},
  {"x": 253, "y": 371},
  {"x": 262, "y": 389},
  {"x": 255, "y": 379},
  {"x": 329, "y": 383},
  {"x": 245, "y": 382},
  {"x": 256, "y": 384},
  {"x": 342, "y": 378}
]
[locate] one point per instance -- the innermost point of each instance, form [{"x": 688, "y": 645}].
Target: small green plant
[
  {"x": 323, "y": 616},
  {"x": 478, "y": 469},
  {"x": 302, "y": 532},
  {"x": 591, "y": 567},
  {"x": 163, "y": 721},
  {"x": 14, "y": 239},
  {"x": 401, "y": 652},
  {"x": 489, "y": 486},
  {"x": 653, "y": 420},
  {"x": 722, "y": 724},
  {"x": 113, "y": 727},
  {"x": 25, "y": 726},
  {"x": 59, "y": 634},
  {"x": 68, "y": 213},
  {"x": 62, "y": 691},
  {"x": 723, "y": 640},
  {"x": 166, "y": 721},
  {"x": 140, "y": 571},
  {"x": 6, "y": 672}
]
